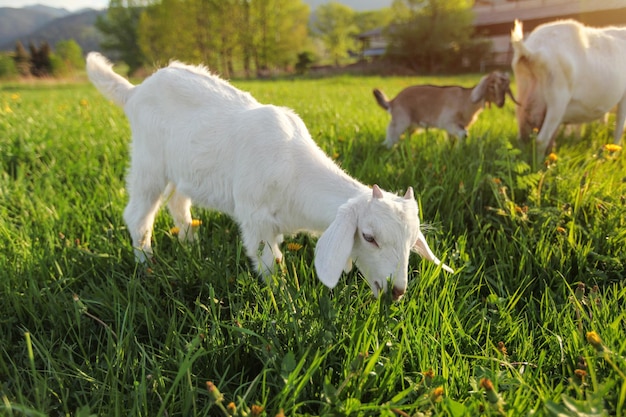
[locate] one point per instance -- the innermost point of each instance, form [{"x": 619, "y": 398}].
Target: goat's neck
[
  {"x": 474, "y": 107},
  {"x": 327, "y": 188}
]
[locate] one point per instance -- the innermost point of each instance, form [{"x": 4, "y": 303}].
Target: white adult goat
[
  {"x": 568, "y": 73},
  {"x": 452, "y": 107},
  {"x": 196, "y": 137}
]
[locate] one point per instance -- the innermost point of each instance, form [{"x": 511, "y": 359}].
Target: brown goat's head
[{"x": 495, "y": 87}]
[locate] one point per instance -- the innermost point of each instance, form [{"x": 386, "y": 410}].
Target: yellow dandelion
[
  {"x": 84, "y": 102},
  {"x": 437, "y": 394},
  {"x": 256, "y": 410},
  {"x": 15, "y": 96},
  {"x": 7, "y": 108},
  {"x": 486, "y": 384},
  {"x": 581, "y": 373},
  {"x": 552, "y": 157},
  {"x": 232, "y": 408},
  {"x": 560, "y": 229},
  {"x": 594, "y": 340},
  {"x": 214, "y": 393},
  {"x": 196, "y": 223},
  {"x": 497, "y": 181},
  {"x": 174, "y": 230},
  {"x": 294, "y": 246},
  {"x": 611, "y": 147}
]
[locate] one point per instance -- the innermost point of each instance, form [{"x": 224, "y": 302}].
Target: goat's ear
[
  {"x": 478, "y": 92},
  {"x": 332, "y": 253},
  {"x": 421, "y": 247}
]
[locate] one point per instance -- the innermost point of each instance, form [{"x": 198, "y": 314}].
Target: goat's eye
[{"x": 370, "y": 239}]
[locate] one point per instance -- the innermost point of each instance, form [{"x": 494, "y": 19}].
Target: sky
[{"x": 71, "y": 5}]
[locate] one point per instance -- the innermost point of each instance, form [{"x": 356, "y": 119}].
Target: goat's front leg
[
  {"x": 398, "y": 125},
  {"x": 265, "y": 253}
]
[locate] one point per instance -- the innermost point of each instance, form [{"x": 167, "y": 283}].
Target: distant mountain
[
  {"x": 19, "y": 22},
  {"x": 53, "y": 25}
]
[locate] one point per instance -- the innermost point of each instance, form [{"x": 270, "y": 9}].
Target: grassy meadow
[{"x": 532, "y": 322}]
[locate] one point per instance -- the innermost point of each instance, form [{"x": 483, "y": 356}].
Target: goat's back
[
  {"x": 588, "y": 61},
  {"x": 217, "y": 144},
  {"x": 425, "y": 103}
]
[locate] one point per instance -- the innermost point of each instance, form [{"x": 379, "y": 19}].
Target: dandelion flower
[
  {"x": 610, "y": 147},
  {"x": 560, "y": 229},
  {"x": 84, "y": 102},
  {"x": 581, "y": 374},
  {"x": 196, "y": 223},
  {"x": 437, "y": 394},
  {"x": 256, "y": 410},
  {"x": 15, "y": 96},
  {"x": 294, "y": 247},
  {"x": 214, "y": 392},
  {"x": 552, "y": 157},
  {"x": 232, "y": 408},
  {"x": 594, "y": 340},
  {"x": 174, "y": 230}
]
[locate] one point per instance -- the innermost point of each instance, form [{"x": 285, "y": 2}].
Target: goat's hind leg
[
  {"x": 620, "y": 118},
  {"x": 179, "y": 206}
]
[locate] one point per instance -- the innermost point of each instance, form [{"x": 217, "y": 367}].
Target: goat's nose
[{"x": 397, "y": 293}]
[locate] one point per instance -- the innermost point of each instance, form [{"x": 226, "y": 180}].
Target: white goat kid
[
  {"x": 452, "y": 108},
  {"x": 568, "y": 73},
  {"x": 196, "y": 137}
]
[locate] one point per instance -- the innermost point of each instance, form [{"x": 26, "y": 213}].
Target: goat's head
[
  {"x": 378, "y": 231},
  {"x": 493, "y": 88}
]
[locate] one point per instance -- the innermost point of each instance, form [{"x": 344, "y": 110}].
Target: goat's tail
[
  {"x": 381, "y": 99},
  {"x": 517, "y": 41},
  {"x": 112, "y": 85}
]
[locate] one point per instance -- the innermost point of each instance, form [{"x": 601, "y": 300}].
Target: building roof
[{"x": 494, "y": 12}]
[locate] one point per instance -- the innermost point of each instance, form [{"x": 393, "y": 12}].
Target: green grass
[{"x": 84, "y": 331}]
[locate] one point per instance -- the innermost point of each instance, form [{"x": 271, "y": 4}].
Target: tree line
[
  {"x": 260, "y": 37},
  {"x": 41, "y": 61},
  {"x": 256, "y": 37}
]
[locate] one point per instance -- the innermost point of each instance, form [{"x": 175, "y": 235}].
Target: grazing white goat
[
  {"x": 452, "y": 108},
  {"x": 196, "y": 137},
  {"x": 568, "y": 73}
]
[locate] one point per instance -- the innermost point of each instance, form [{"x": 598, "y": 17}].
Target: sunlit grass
[{"x": 85, "y": 331}]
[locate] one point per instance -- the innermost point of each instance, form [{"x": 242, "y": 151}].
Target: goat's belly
[{"x": 582, "y": 113}]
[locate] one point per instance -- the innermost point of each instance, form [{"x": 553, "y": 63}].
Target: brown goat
[{"x": 452, "y": 108}]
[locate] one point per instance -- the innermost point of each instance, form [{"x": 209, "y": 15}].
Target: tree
[
  {"x": 225, "y": 34},
  {"x": 7, "y": 67},
  {"x": 22, "y": 59},
  {"x": 373, "y": 19},
  {"x": 430, "y": 34},
  {"x": 336, "y": 26},
  {"x": 70, "y": 52},
  {"x": 41, "y": 64},
  {"x": 120, "y": 29}
]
